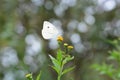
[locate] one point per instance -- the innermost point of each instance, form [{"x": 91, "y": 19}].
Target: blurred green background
[{"x": 85, "y": 24}]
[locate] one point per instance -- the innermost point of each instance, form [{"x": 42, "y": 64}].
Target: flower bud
[
  {"x": 60, "y": 38},
  {"x": 70, "y": 47}
]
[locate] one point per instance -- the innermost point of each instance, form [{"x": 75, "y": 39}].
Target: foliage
[
  {"x": 59, "y": 61},
  {"x": 30, "y": 77},
  {"x": 113, "y": 68}
]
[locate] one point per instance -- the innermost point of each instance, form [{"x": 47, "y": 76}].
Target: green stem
[
  {"x": 60, "y": 73},
  {"x": 58, "y": 77}
]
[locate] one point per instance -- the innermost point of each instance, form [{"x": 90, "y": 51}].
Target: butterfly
[{"x": 49, "y": 30}]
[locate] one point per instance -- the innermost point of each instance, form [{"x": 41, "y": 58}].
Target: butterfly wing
[{"x": 49, "y": 30}]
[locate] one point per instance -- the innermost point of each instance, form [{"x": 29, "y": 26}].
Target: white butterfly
[{"x": 49, "y": 30}]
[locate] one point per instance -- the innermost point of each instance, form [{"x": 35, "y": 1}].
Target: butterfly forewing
[{"x": 49, "y": 30}]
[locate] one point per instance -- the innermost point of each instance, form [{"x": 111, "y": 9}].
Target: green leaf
[
  {"x": 56, "y": 63},
  {"x": 57, "y": 70},
  {"x": 115, "y": 55},
  {"x": 38, "y": 76},
  {"x": 104, "y": 69},
  {"x": 68, "y": 58},
  {"x": 68, "y": 70}
]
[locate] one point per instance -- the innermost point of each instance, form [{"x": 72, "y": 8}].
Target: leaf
[
  {"x": 104, "y": 69},
  {"x": 68, "y": 70},
  {"x": 55, "y": 62},
  {"x": 68, "y": 58},
  {"x": 115, "y": 55},
  {"x": 38, "y": 76},
  {"x": 55, "y": 69}
]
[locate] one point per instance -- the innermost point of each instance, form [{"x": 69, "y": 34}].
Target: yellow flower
[
  {"x": 70, "y": 47},
  {"x": 28, "y": 75},
  {"x": 59, "y": 38}
]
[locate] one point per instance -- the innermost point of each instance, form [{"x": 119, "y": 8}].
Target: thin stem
[
  {"x": 58, "y": 77},
  {"x": 60, "y": 73}
]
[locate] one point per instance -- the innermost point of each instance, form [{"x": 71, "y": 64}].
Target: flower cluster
[{"x": 66, "y": 46}]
